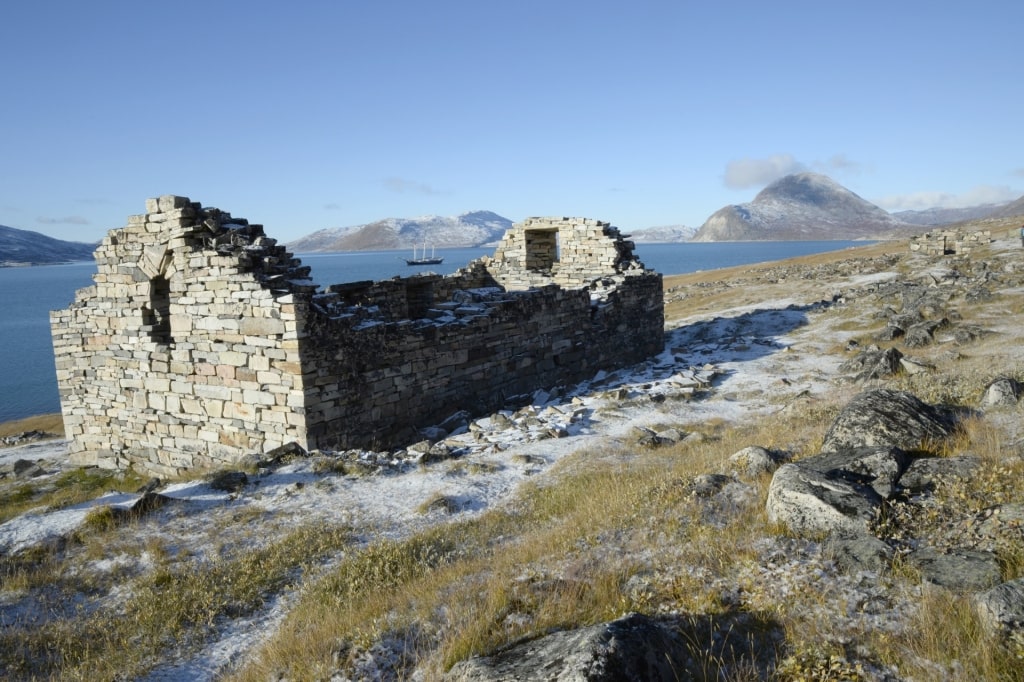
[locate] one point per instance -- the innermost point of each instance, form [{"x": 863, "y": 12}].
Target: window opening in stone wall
[
  {"x": 419, "y": 299},
  {"x": 541, "y": 249},
  {"x": 159, "y": 312}
]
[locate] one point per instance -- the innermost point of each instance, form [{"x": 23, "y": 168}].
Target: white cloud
[
  {"x": 838, "y": 163},
  {"x": 976, "y": 196},
  {"x": 403, "y": 186},
  {"x": 744, "y": 173}
]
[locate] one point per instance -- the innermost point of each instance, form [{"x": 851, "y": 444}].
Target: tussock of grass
[
  {"x": 945, "y": 640},
  {"x": 170, "y": 606},
  {"x": 69, "y": 488}
]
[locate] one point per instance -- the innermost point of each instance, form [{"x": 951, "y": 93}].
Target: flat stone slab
[{"x": 961, "y": 571}]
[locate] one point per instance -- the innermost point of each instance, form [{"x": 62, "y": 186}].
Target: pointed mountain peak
[{"x": 799, "y": 206}]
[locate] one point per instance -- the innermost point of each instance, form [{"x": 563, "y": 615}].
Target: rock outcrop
[
  {"x": 632, "y": 648},
  {"x": 887, "y": 417}
]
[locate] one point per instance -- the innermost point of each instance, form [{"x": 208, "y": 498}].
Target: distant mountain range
[
  {"x": 476, "y": 228},
  {"x": 663, "y": 234},
  {"x": 948, "y": 216},
  {"x": 22, "y": 247},
  {"x": 803, "y": 206}
]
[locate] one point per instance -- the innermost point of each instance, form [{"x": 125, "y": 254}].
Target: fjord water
[{"x": 28, "y": 384}]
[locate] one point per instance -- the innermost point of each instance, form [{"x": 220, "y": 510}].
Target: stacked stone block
[
  {"x": 947, "y": 242},
  {"x": 201, "y": 340}
]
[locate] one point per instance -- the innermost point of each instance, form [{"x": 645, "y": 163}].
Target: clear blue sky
[{"x": 305, "y": 115}]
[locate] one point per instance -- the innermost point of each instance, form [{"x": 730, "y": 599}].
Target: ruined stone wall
[
  {"x": 184, "y": 353},
  {"x": 202, "y": 340},
  {"x": 569, "y": 252},
  {"x": 944, "y": 242},
  {"x": 482, "y": 350}
]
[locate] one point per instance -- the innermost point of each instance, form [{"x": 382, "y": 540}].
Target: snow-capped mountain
[
  {"x": 475, "y": 228},
  {"x": 800, "y": 207},
  {"x": 662, "y": 234}
]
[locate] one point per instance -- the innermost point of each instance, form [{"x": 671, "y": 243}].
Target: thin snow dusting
[{"x": 742, "y": 362}]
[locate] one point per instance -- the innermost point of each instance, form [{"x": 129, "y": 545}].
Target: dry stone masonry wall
[
  {"x": 202, "y": 340},
  {"x": 948, "y": 242}
]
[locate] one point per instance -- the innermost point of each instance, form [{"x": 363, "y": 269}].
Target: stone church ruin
[{"x": 203, "y": 340}]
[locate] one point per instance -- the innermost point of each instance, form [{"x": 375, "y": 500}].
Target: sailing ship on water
[{"x": 423, "y": 258}]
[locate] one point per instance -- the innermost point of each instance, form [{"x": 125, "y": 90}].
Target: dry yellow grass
[
  {"x": 46, "y": 423},
  {"x": 609, "y": 531}
]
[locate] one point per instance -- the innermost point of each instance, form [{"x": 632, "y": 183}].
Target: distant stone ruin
[
  {"x": 202, "y": 340},
  {"x": 950, "y": 242}
]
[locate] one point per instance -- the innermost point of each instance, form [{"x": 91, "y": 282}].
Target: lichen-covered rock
[
  {"x": 859, "y": 553},
  {"x": 887, "y": 417},
  {"x": 925, "y": 473},
  {"x": 1002, "y": 391},
  {"x": 1001, "y": 608},
  {"x": 752, "y": 461},
  {"x": 879, "y": 468},
  {"x": 812, "y": 503},
  {"x": 632, "y": 648},
  {"x": 958, "y": 570}
]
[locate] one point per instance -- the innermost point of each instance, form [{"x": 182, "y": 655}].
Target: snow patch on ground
[{"x": 743, "y": 362}]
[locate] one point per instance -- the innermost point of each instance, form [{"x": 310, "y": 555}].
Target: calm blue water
[{"x": 28, "y": 384}]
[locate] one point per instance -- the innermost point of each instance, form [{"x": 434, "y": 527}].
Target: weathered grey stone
[
  {"x": 1001, "y": 608},
  {"x": 862, "y": 552},
  {"x": 922, "y": 334},
  {"x": 959, "y": 570},
  {"x": 914, "y": 366},
  {"x": 228, "y": 481},
  {"x": 887, "y": 417},
  {"x": 753, "y": 461},
  {"x": 706, "y": 485},
  {"x": 1002, "y": 391},
  {"x": 873, "y": 363},
  {"x": 811, "y": 503},
  {"x": 878, "y": 467},
  {"x": 632, "y": 648},
  {"x": 924, "y": 473}
]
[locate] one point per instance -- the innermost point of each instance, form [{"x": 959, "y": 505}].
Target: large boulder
[
  {"x": 835, "y": 492},
  {"x": 753, "y": 460},
  {"x": 1001, "y": 608},
  {"x": 1002, "y": 391},
  {"x": 632, "y": 648},
  {"x": 811, "y": 503},
  {"x": 887, "y": 417}
]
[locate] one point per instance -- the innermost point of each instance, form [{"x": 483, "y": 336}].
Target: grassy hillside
[{"x": 616, "y": 526}]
